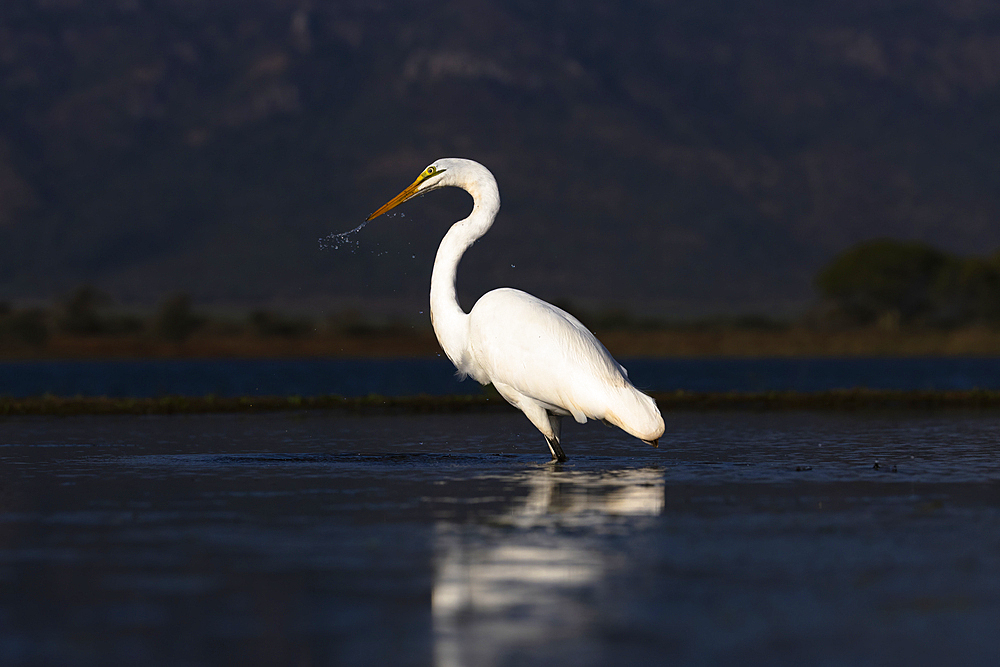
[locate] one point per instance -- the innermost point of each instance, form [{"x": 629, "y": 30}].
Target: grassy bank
[
  {"x": 847, "y": 400},
  {"x": 666, "y": 342}
]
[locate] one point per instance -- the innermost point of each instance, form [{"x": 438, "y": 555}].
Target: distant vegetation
[
  {"x": 28, "y": 325},
  {"x": 880, "y": 297},
  {"x": 90, "y": 313},
  {"x": 907, "y": 283}
]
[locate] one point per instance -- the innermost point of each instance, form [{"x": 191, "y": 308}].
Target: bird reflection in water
[{"x": 529, "y": 580}]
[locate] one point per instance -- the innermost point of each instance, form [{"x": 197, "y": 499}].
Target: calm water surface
[
  {"x": 322, "y": 539},
  {"x": 436, "y": 376}
]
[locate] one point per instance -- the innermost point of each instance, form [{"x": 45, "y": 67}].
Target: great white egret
[{"x": 540, "y": 358}]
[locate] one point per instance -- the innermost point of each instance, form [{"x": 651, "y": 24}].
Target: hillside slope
[{"x": 703, "y": 156}]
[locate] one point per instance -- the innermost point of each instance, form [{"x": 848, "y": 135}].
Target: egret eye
[{"x": 431, "y": 170}]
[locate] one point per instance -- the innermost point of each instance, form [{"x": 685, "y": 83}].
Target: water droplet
[{"x": 344, "y": 238}]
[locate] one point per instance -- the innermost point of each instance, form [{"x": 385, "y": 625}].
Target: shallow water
[{"x": 323, "y": 539}]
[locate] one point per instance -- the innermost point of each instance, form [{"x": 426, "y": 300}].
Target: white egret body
[{"x": 540, "y": 358}]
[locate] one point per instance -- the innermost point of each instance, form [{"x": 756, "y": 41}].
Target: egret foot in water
[{"x": 556, "y": 449}]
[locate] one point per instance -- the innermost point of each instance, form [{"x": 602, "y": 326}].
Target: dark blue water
[
  {"x": 233, "y": 377},
  {"x": 403, "y": 377},
  {"x": 321, "y": 538}
]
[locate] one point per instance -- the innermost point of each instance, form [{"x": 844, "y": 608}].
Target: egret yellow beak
[{"x": 401, "y": 197}]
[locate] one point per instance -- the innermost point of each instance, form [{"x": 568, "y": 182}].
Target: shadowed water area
[
  {"x": 436, "y": 376},
  {"x": 323, "y": 539}
]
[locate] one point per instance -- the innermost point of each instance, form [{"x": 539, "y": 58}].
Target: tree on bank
[{"x": 909, "y": 283}]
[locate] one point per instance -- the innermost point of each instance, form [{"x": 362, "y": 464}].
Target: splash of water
[{"x": 344, "y": 238}]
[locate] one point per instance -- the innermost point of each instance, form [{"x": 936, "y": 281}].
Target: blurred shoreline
[{"x": 794, "y": 341}]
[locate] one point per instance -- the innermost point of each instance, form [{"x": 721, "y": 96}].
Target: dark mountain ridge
[{"x": 696, "y": 157}]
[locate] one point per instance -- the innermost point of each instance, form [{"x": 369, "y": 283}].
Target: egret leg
[
  {"x": 556, "y": 449},
  {"x": 546, "y": 423},
  {"x": 555, "y": 422}
]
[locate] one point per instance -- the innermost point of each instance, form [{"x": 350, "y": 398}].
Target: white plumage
[{"x": 539, "y": 358}]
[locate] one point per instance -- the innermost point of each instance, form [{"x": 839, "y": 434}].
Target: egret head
[{"x": 431, "y": 178}]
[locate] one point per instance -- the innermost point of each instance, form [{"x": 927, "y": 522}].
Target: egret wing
[{"x": 543, "y": 352}]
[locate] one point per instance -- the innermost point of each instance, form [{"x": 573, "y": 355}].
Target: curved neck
[{"x": 450, "y": 322}]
